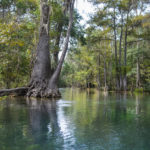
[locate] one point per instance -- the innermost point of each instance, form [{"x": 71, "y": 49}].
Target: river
[{"x": 80, "y": 120}]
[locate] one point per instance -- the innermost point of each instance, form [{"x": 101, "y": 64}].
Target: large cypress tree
[{"x": 43, "y": 82}]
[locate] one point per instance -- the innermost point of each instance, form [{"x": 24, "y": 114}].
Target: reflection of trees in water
[
  {"x": 94, "y": 120},
  {"x": 50, "y": 124},
  {"x": 120, "y": 107},
  {"x": 44, "y": 122},
  {"x": 138, "y": 107},
  {"x": 13, "y": 124}
]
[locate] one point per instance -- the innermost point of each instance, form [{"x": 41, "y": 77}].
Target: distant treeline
[{"x": 115, "y": 53}]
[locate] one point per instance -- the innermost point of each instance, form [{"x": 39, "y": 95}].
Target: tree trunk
[
  {"x": 55, "y": 54},
  {"x": 105, "y": 76},
  {"x": 125, "y": 57},
  {"x": 99, "y": 62},
  {"x": 138, "y": 70},
  {"x": 99, "y": 82},
  {"x": 120, "y": 52},
  {"x": 105, "y": 72},
  {"x": 138, "y": 74},
  {"x": 41, "y": 70},
  {"x": 43, "y": 83},
  {"x": 52, "y": 89},
  {"x": 116, "y": 55}
]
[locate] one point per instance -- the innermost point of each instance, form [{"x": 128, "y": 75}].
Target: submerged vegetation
[{"x": 112, "y": 52}]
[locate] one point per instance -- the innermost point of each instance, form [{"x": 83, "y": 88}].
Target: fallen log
[{"x": 22, "y": 91}]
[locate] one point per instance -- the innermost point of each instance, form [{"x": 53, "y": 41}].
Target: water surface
[{"x": 80, "y": 120}]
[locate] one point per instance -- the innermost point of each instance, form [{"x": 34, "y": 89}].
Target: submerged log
[{"x": 22, "y": 91}]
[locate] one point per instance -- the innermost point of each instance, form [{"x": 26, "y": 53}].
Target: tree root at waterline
[
  {"x": 38, "y": 88},
  {"x": 38, "y": 92},
  {"x": 22, "y": 91}
]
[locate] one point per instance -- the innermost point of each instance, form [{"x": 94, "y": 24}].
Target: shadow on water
[{"x": 81, "y": 120}]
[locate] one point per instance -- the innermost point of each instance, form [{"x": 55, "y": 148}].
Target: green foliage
[
  {"x": 15, "y": 52},
  {"x": 19, "y": 27},
  {"x": 91, "y": 59},
  {"x": 95, "y": 61},
  {"x": 139, "y": 90},
  {"x": 16, "y": 44}
]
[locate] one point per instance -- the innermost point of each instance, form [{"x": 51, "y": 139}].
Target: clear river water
[{"x": 80, "y": 120}]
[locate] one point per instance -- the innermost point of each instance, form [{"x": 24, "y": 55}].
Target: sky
[{"x": 85, "y": 8}]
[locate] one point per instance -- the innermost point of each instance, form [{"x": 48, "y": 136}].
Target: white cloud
[{"x": 85, "y": 8}]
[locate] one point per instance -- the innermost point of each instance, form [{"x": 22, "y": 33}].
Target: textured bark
[
  {"x": 52, "y": 89},
  {"x": 16, "y": 91},
  {"x": 41, "y": 70}
]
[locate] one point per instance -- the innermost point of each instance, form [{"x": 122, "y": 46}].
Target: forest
[{"x": 43, "y": 46}]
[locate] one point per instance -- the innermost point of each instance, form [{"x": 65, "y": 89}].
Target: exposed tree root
[
  {"x": 22, "y": 91},
  {"x": 52, "y": 93},
  {"x": 37, "y": 88},
  {"x": 33, "y": 92}
]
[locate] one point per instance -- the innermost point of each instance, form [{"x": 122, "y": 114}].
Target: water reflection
[
  {"x": 138, "y": 107},
  {"x": 81, "y": 120},
  {"x": 49, "y": 123},
  {"x": 44, "y": 123}
]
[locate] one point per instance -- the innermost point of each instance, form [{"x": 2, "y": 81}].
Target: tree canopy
[{"x": 111, "y": 53}]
